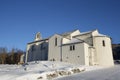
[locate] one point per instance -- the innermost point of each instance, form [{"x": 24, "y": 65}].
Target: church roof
[
  {"x": 84, "y": 33},
  {"x": 101, "y": 35},
  {"x": 38, "y": 41},
  {"x": 67, "y": 33}
]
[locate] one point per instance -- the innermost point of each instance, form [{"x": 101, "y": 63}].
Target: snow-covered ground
[
  {"x": 48, "y": 70},
  {"x": 111, "y": 73}
]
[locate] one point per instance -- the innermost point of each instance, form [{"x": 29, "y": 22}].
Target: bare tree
[{"x": 3, "y": 55}]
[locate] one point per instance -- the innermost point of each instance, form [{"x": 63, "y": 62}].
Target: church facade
[{"x": 85, "y": 48}]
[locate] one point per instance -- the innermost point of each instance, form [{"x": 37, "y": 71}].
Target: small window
[
  {"x": 33, "y": 48},
  {"x": 73, "y": 47},
  {"x": 70, "y": 48},
  {"x": 103, "y": 43},
  {"x": 55, "y": 41}
]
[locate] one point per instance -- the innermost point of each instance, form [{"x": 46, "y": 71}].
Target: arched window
[
  {"x": 38, "y": 35},
  {"x": 103, "y": 43},
  {"x": 55, "y": 41}
]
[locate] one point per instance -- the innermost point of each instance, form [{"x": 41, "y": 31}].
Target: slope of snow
[
  {"x": 112, "y": 73},
  {"x": 41, "y": 70}
]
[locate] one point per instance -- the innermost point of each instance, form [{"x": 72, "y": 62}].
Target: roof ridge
[{"x": 69, "y": 32}]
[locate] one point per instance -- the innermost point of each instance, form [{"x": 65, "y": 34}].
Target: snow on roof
[
  {"x": 86, "y": 32},
  {"x": 74, "y": 40},
  {"x": 101, "y": 34}
]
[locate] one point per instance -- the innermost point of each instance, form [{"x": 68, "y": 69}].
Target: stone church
[{"x": 85, "y": 48}]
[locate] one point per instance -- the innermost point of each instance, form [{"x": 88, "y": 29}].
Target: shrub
[
  {"x": 76, "y": 70},
  {"x": 40, "y": 77},
  {"x": 52, "y": 75}
]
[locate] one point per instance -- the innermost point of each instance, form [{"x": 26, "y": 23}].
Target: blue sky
[{"x": 20, "y": 20}]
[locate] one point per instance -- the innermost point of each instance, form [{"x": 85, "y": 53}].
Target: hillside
[
  {"x": 42, "y": 70},
  {"x": 112, "y": 73}
]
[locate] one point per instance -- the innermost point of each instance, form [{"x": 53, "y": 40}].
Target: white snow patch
[{"x": 41, "y": 70}]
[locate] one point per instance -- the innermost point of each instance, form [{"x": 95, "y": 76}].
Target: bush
[
  {"x": 76, "y": 70},
  {"x": 61, "y": 73},
  {"x": 40, "y": 77},
  {"x": 52, "y": 75}
]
